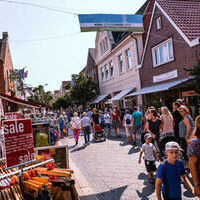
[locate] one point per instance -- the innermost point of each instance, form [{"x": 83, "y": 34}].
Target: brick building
[{"x": 171, "y": 44}]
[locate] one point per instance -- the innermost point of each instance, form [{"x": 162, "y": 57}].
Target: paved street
[{"x": 111, "y": 170}]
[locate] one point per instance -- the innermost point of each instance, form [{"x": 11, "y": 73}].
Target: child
[
  {"x": 149, "y": 155},
  {"x": 170, "y": 174}
]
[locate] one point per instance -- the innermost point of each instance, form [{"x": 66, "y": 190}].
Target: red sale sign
[
  {"x": 18, "y": 141},
  {"x": 14, "y": 115}
]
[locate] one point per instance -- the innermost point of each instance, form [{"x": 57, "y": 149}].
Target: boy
[
  {"x": 170, "y": 174},
  {"x": 149, "y": 156}
]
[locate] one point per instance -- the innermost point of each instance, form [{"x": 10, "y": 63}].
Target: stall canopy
[
  {"x": 121, "y": 94},
  {"x": 99, "y": 98},
  {"x": 158, "y": 88},
  {"x": 21, "y": 102}
]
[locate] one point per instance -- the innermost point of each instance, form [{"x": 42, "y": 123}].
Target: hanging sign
[
  {"x": 18, "y": 141},
  {"x": 13, "y": 115},
  {"x": 110, "y": 22}
]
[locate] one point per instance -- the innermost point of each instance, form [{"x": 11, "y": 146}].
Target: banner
[
  {"x": 18, "y": 141},
  {"x": 110, "y": 22},
  {"x": 14, "y": 115}
]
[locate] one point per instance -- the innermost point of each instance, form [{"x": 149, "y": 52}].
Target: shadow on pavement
[
  {"x": 134, "y": 149},
  {"x": 147, "y": 190},
  {"x": 78, "y": 149},
  {"x": 114, "y": 194}
]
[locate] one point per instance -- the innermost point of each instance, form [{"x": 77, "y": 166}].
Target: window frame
[
  {"x": 128, "y": 59},
  {"x": 158, "y": 22},
  {"x": 157, "y": 56},
  {"x": 120, "y": 61},
  {"x": 111, "y": 66}
]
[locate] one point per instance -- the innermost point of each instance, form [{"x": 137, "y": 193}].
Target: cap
[
  {"x": 172, "y": 146},
  {"x": 147, "y": 135},
  {"x": 184, "y": 108}
]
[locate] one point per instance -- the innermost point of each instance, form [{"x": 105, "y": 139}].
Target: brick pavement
[{"x": 110, "y": 171}]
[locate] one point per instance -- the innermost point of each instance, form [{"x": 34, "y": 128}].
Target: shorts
[
  {"x": 137, "y": 129},
  {"x": 107, "y": 125},
  {"x": 150, "y": 166},
  {"x": 116, "y": 123}
]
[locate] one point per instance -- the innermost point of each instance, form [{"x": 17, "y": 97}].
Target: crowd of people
[{"x": 177, "y": 126}]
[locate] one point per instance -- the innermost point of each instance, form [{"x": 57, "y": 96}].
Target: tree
[
  {"x": 63, "y": 101},
  {"x": 39, "y": 95},
  {"x": 83, "y": 89}
]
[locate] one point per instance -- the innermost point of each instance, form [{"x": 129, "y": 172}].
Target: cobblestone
[{"x": 112, "y": 171}]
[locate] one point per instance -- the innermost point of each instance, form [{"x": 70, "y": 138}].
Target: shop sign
[
  {"x": 13, "y": 115},
  {"x": 18, "y": 141},
  {"x": 165, "y": 76},
  {"x": 189, "y": 93}
]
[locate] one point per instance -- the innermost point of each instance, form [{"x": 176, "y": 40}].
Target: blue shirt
[
  {"x": 171, "y": 178},
  {"x": 137, "y": 116}
]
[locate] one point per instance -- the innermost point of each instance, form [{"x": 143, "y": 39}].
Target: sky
[{"x": 49, "y": 41}]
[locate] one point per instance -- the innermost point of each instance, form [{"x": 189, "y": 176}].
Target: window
[
  {"x": 106, "y": 42},
  {"x": 163, "y": 53},
  {"x": 111, "y": 69},
  {"x": 106, "y": 72},
  {"x": 102, "y": 74},
  {"x": 158, "y": 23},
  {"x": 101, "y": 47},
  {"x": 128, "y": 57},
  {"x": 120, "y": 64}
]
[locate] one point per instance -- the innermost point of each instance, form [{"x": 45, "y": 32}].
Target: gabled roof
[{"x": 185, "y": 14}]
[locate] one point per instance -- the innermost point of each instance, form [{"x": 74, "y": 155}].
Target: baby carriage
[{"x": 99, "y": 134}]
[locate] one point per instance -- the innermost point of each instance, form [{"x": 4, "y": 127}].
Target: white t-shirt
[
  {"x": 127, "y": 116},
  {"x": 148, "y": 151},
  {"x": 107, "y": 118}
]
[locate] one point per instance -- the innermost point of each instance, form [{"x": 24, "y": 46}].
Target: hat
[
  {"x": 184, "y": 108},
  {"x": 84, "y": 114},
  {"x": 172, "y": 146},
  {"x": 147, "y": 135}
]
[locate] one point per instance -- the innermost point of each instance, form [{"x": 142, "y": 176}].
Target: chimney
[{"x": 5, "y": 35}]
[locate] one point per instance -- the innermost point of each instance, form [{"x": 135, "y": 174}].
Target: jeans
[{"x": 86, "y": 134}]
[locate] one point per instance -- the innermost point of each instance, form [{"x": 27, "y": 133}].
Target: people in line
[{"x": 85, "y": 126}]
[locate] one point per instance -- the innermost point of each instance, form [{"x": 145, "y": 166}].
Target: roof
[
  {"x": 142, "y": 9},
  {"x": 119, "y": 36},
  {"x": 185, "y": 14},
  {"x": 92, "y": 52}
]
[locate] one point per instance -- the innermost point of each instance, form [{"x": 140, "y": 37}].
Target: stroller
[{"x": 99, "y": 134}]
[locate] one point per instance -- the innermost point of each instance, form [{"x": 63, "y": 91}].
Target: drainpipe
[{"x": 137, "y": 49}]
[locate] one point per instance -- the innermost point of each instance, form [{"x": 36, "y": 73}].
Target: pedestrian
[
  {"x": 167, "y": 122},
  {"x": 194, "y": 157},
  {"x": 115, "y": 121},
  {"x": 170, "y": 174},
  {"x": 149, "y": 156},
  {"x": 177, "y": 119},
  {"x": 89, "y": 113},
  {"x": 136, "y": 123},
  {"x": 66, "y": 125},
  {"x": 101, "y": 119},
  {"x": 186, "y": 127},
  {"x": 85, "y": 125},
  {"x": 75, "y": 126},
  {"x": 107, "y": 120},
  {"x": 95, "y": 118},
  {"x": 61, "y": 125},
  {"x": 127, "y": 124},
  {"x": 154, "y": 125}
]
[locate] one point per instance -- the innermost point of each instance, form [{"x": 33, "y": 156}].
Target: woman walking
[
  {"x": 167, "y": 122},
  {"x": 194, "y": 157},
  {"x": 75, "y": 126},
  {"x": 185, "y": 130},
  {"x": 115, "y": 121}
]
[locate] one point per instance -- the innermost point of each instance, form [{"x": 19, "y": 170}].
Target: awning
[
  {"x": 21, "y": 102},
  {"x": 121, "y": 94},
  {"x": 99, "y": 98},
  {"x": 158, "y": 88}
]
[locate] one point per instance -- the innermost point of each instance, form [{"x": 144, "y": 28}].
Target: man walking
[{"x": 136, "y": 123}]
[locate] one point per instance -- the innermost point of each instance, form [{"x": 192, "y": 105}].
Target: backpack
[{"x": 128, "y": 121}]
